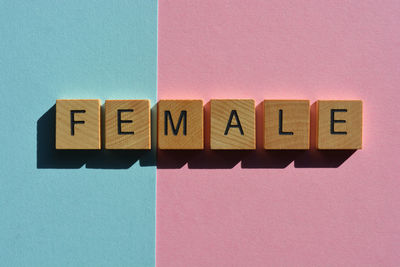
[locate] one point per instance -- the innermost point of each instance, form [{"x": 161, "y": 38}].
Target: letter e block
[
  {"x": 286, "y": 124},
  {"x": 180, "y": 124},
  {"x": 78, "y": 124},
  {"x": 339, "y": 124},
  {"x": 232, "y": 124},
  {"x": 127, "y": 124}
]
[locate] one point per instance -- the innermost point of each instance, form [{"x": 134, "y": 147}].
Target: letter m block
[{"x": 180, "y": 124}]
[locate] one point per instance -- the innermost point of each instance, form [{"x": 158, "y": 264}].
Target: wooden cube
[
  {"x": 286, "y": 124},
  {"x": 339, "y": 124},
  {"x": 180, "y": 124},
  {"x": 127, "y": 124},
  {"x": 232, "y": 124},
  {"x": 78, "y": 124}
]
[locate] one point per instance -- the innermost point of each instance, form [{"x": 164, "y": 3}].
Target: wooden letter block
[
  {"x": 127, "y": 124},
  {"x": 78, "y": 124},
  {"x": 233, "y": 124},
  {"x": 180, "y": 124},
  {"x": 286, "y": 124},
  {"x": 339, "y": 124}
]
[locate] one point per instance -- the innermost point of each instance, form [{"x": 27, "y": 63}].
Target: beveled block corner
[
  {"x": 286, "y": 124},
  {"x": 78, "y": 124},
  {"x": 127, "y": 124},
  {"x": 233, "y": 124},
  {"x": 180, "y": 124}
]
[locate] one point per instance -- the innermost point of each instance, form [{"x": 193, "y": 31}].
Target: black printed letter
[
  {"x": 333, "y": 121},
  {"x": 73, "y": 121},
  {"x": 281, "y": 132},
  {"x": 175, "y": 130},
  {"x": 120, "y": 121},
  {"x": 229, "y": 125}
]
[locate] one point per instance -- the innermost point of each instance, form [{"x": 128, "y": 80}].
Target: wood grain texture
[
  {"x": 346, "y": 132},
  {"x": 132, "y": 129},
  {"x": 86, "y": 129},
  {"x": 222, "y": 110},
  {"x": 286, "y": 124},
  {"x": 169, "y": 114}
]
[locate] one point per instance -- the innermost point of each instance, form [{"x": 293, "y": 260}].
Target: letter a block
[
  {"x": 180, "y": 124},
  {"x": 286, "y": 124},
  {"x": 339, "y": 124},
  {"x": 78, "y": 124},
  {"x": 127, "y": 124},
  {"x": 233, "y": 124}
]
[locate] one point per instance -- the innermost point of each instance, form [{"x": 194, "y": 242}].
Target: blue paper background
[{"x": 73, "y": 209}]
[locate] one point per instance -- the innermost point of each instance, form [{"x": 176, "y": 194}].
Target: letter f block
[
  {"x": 180, "y": 124},
  {"x": 78, "y": 124}
]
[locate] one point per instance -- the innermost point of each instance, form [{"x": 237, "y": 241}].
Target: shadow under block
[
  {"x": 127, "y": 124},
  {"x": 232, "y": 124},
  {"x": 180, "y": 124},
  {"x": 78, "y": 124},
  {"x": 339, "y": 124},
  {"x": 286, "y": 124}
]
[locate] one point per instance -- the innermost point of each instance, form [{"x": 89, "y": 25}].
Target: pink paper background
[{"x": 292, "y": 216}]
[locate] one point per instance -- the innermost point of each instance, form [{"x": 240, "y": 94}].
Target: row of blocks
[{"x": 180, "y": 124}]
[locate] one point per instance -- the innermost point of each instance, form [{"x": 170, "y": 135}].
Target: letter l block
[{"x": 286, "y": 124}]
